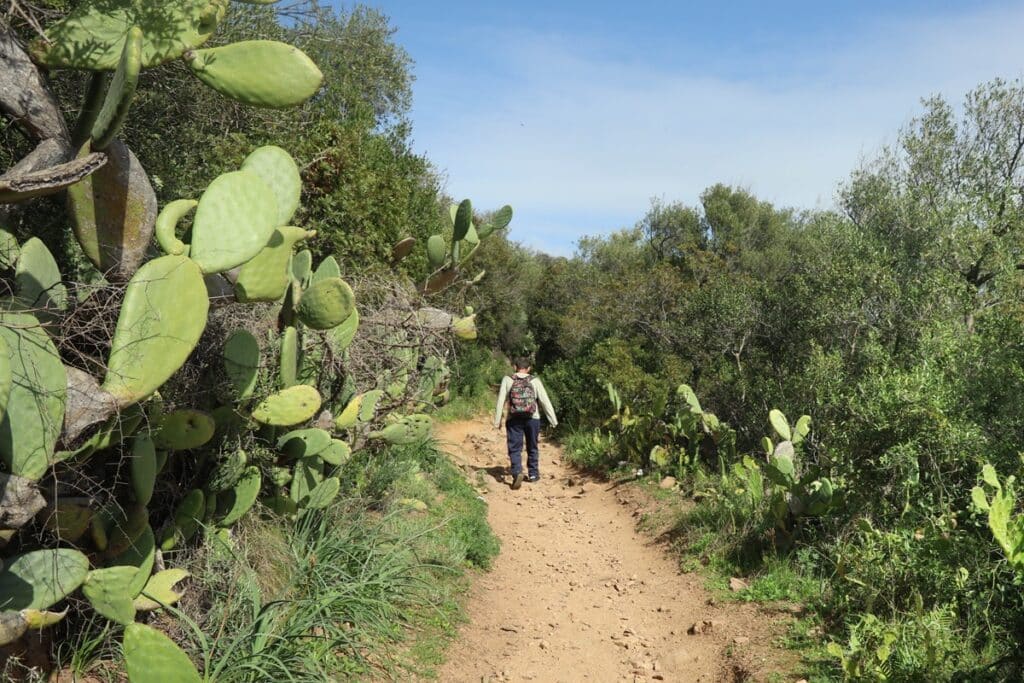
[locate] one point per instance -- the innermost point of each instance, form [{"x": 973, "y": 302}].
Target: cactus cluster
[
  {"x": 1006, "y": 525},
  {"x": 795, "y": 494},
  {"x": 446, "y": 260},
  {"x": 186, "y": 474}
]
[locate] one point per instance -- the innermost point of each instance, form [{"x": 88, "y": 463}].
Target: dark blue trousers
[{"x": 517, "y": 430}]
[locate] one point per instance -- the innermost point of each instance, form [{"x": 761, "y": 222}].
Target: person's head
[{"x": 522, "y": 363}]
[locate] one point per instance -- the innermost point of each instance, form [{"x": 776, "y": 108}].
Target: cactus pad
[
  {"x": 41, "y": 578},
  {"x": 307, "y": 476},
  {"x": 183, "y": 430},
  {"x": 402, "y": 248},
  {"x": 348, "y": 417},
  {"x": 323, "y": 494},
  {"x": 288, "y": 407},
  {"x": 143, "y": 468},
  {"x": 151, "y": 656},
  {"x": 261, "y": 73},
  {"x": 241, "y": 497},
  {"x": 159, "y": 590},
  {"x": 108, "y": 592},
  {"x": 465, "y": 328},
  {"x": 780, "y": 424},
  {"x": 328, "y": 268},
  {"x": 167, "y": 225},
  {"x": 301, "y": 267},
  {"x": 241, "y": 362},
  {"x": 302, "y": 443},
  {"x": 122, "y": 89},
  {"x": 289, "y": 368},
  {"x": 342, "y": 335},
  {"x": 437, "y": 251},
  {"x": 234, "y": 221},
  {"x": 35, "y": 405},
  {"x": 227, "y": 472},
  {"x": 162, "y": 317},
  {"x": 265, "y": 277},
  {"x": 337, "y": 453},
  {"x": 326, "y": 304},
  {"x": 113, "y": 213},
  {"x": 37, "y": 277},
  {"x": 92, "y": 35},
  {"x": 278, "y": 170}
]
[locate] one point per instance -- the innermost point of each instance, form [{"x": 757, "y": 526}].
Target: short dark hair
[{"x": 521, "y": 362}]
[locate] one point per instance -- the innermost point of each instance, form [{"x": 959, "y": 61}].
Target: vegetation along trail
[{"x": 577, "y": 593}]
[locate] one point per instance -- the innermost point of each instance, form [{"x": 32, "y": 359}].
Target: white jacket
[{"x": 542, "y": 400}]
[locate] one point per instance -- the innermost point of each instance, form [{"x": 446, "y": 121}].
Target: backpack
[{"x": 522, "y": 396}]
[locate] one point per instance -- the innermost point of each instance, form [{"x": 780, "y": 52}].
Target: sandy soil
[{"x": 577, "y": 594}]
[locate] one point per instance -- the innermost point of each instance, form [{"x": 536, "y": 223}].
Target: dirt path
[{"x": 576, "y": 593}]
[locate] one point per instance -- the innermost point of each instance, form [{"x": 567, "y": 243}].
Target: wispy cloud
[{"x": 579, "y": 143}]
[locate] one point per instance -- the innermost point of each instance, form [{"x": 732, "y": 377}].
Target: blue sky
[{"x": 578, "y": 113}]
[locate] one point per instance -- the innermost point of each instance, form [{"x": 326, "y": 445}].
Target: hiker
[{"x": 526, "y": 396}]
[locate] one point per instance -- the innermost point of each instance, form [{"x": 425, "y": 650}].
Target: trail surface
[{"x": 577, "y": 594}]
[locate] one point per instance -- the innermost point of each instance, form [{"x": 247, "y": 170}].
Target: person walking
[{"x": 526, "y": 397}]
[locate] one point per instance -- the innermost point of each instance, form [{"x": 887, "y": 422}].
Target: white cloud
[{"x": 579, "y": 143}]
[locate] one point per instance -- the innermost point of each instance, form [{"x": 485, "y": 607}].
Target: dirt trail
[{"x": 576, "y": 593}]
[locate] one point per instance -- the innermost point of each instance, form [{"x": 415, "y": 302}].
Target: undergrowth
[{"x": 370, "y": 586}]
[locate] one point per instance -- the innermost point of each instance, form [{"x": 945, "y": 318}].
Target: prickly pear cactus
[{"x": 162, "y": 317}]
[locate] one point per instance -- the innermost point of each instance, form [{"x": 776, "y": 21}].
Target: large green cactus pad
[
  {"x": 227, "y": 472},
  {"x": 32, "y": 422},
  {"x": 265, "y": 277},
  {"x": 162, "y": 317},
  {"x": 326, "y": 304},
  {"x": 288, "y": 407},
  {"x": 234, "y": 220},
  {"x": 278, "y": 170},
  {"x": 261, "y": 73},
  {"x": 437, "y": 251},
  {"x": 41, "y": 578},
  {"x": 151, "y": 656},
  {"x": 92, "y": 35}
]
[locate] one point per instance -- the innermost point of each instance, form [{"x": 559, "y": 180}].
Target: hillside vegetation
[{"x": 831, "y": 387}]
